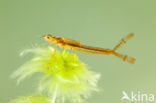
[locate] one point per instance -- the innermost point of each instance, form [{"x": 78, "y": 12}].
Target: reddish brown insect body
[{"x": 78, "y": 46}]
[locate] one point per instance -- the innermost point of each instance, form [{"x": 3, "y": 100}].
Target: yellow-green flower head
[{"x": 65, "y": 77}]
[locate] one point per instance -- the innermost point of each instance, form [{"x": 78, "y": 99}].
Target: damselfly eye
[{"x": 48, "y": 37}]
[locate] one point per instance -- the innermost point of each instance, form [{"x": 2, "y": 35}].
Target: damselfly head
[{"x": 50, "y": 38}]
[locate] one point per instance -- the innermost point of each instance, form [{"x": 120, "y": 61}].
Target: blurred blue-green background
[{"x": 100, "y": 23}]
